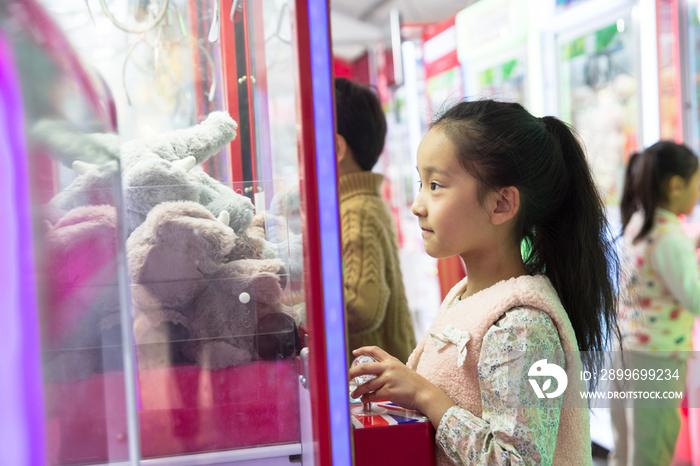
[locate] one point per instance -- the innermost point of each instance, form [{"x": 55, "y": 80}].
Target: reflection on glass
[
  {"x": 274, "y": 103},
  {"x": 599, "y": 97}
]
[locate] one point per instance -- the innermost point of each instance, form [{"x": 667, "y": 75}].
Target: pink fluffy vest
[{"x": 476, "y": 314}]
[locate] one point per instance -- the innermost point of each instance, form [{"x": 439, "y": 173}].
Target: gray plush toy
[
  {"x": 155, "y": 169},
  {"x": 199, "y": 289},
  {"x": 160, "y": 168}
]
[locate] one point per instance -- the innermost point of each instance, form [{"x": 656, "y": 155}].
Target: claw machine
[
  {"x": 499, "y": 50},
  {"x": 172, "y": 241},
  {"x": 603, "y": 82}
]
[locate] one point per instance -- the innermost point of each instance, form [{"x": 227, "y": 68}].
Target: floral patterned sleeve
[{"x": 516, "y": 428}]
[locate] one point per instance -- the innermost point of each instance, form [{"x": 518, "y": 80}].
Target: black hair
[
  {"x": 360, "y": 121},
  {"x": 561, "y": 216},
  {"x": 646, "y": 177}
]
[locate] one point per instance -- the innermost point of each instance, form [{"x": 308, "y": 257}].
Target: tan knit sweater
[{"x": 375, "y": 302}]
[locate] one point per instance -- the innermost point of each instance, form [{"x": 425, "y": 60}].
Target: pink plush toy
[
  {"x": 82, "y": 301},
  {"x": 199, "y": 289}
]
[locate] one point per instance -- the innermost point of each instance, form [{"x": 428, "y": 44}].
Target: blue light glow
[{"x": 330, "y": 234}]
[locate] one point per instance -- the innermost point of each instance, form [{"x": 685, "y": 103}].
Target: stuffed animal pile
[
  {"x": 201, "y": 281},
  {"x": 155, "y": 169},
  {"x": 193, "y": 277}
]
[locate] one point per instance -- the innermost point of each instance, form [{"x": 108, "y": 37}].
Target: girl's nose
[{"x": 418, "y": 208}]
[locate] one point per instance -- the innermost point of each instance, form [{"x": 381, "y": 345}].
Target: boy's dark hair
[
  {"x": 360, "y": 121},
  {"x": 561, "y": 216},
  {"x": 646, "y": 177}
]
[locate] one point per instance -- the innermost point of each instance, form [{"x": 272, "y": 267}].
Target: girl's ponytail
[
  {"x": 646, "y": 177},
  {"x": 574, "y": 247},
  {"x": 629, "y": 203}
]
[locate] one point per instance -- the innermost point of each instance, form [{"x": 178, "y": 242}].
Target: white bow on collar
[{"x": 460, "y": 338}]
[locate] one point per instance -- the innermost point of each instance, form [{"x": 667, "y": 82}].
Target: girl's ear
[
  {"x": 674, "y": 186},
  {"x": 506, "y": 205}
]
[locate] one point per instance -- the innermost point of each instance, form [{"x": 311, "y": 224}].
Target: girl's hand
[{"x": 399, "y": 384}]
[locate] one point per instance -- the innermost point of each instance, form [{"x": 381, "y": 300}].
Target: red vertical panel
[
  {"x": 229, "y": 74},
  {"x": 313, "y": 281},
  {"x": 450, "y": 272},
  {"x": 360, "y": 68}
]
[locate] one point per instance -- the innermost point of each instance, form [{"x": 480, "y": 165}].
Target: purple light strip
[
  {"x": 21, "y": 390},
  {"x": 330, "y": 232}
]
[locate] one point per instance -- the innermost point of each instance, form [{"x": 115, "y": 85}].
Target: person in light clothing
[
  {"x": 659, "y": 299},
  {"x": 493, "y": 175}
]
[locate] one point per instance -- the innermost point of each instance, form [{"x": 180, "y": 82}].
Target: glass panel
[
  {"x": 274, "y": 105},
  {"x": 693, "y": 48},
  {"x": 74, "y": 180},
  {"x": 213, "y": 327},
  {"x": 214, "y": 263},
  {"x": 599, "y": 96}
]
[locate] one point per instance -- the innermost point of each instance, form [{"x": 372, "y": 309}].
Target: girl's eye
[
  {"x": 434, "y": 186},
  {"x": 420, "y": 184}
]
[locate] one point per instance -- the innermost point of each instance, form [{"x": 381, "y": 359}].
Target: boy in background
[{"x": 376, "y": 308}]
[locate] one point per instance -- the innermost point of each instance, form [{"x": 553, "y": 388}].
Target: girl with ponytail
[
  {"x": 659, "y": 297},
  {"x": 492, "y": 176}
]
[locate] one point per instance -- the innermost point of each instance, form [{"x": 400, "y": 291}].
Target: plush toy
[
  {"x": 159, "y": 168},
  {"x": 81, "y": 328},
  {"x": 198, "y": 289},
  {"x": 155, "y": 169}
]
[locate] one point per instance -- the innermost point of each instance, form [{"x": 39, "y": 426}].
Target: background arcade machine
[
  {"x": 500, "y": 54},
  {"x": 592, "y": 81},
  {"x": 119, "y": 339},
  {"x": 596, "y": 66},
  {"x": 618, "y": 99}
]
